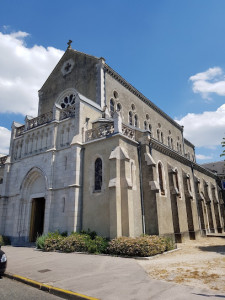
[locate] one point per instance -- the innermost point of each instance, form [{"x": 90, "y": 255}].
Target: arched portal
[{"x": 33, "y": 204}]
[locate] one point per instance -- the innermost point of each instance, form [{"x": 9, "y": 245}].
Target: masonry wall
[
  {"x": 83, "y": 78},
  {"x": 158, "y": 123},
  {"x": 119, "y": 186}
]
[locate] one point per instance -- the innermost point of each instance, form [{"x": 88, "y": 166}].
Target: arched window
[
  {"x": 145, "y": 125},
  {"x": 112, "y": 109},
  {"x": 136, "y": 121},
  {"x": 168, "y": 141},
  {"x": 176, "y": 180},
  {"x": 177, "y": 147},
  {"x": 161, "y": 179},
  {"x": 118, "y": 107},
  {"x": 189, "y": 183},
  {"x": 180, "y": 149},
  {"x": 130, "y": 118},
  {"x": 161, "y": 137},
  {"x": 68, "y": 101},
  {"x": 150, "y": 127},
  {"x": 172, "y": 143},
  {"x": 98, "y": 174},
  {"x": 158, "y": 134}
]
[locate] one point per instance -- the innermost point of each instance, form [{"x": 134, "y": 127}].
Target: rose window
[{"x": 68, "y": 101}]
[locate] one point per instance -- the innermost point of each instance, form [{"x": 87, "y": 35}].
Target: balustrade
[
  {"x": 40, "y": 120},
  {"x": 127, "y": 131},
  {"x": 20, "y": 130},
  {"x": 67, "y": 112},
  {"x": 99, "y": 132},
  {"x": 3, "y": 159}
]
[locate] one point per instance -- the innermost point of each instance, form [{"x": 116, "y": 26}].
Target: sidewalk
[{"x": 103, "y": 277}]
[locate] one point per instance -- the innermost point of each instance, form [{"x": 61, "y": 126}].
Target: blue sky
[{"x": 170, "y": 50}]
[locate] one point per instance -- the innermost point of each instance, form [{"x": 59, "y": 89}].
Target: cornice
[
  {"x": 133, "y": 90},
  {"x": 156, "y": 145},
  {"x": 189, "y": 143}
]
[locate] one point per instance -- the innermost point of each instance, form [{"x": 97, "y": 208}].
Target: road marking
[{"x": 51, "y": 289}]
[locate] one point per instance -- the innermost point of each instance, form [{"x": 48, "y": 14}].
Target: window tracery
[{"x": 68, "y": 101}]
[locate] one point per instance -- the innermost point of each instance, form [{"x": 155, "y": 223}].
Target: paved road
[
  {"x": 14, "y": 290},
  {"x": 103, "y": 277}
]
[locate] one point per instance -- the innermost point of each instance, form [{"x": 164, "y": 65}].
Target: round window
[{"x": 68, "y": 101}]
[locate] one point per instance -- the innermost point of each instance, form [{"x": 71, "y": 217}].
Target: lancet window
[{"x": 98, "y": 174}]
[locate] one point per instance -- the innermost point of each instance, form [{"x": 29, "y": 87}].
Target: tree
[{"x": 223, "y": 145}]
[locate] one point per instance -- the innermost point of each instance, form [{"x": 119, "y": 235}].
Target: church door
[{"x": 37, "y": 218}]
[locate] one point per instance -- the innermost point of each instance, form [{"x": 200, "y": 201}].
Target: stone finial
[{"x": 69, "y": 44}]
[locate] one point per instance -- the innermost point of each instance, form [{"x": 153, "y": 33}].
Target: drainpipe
[
  {"x": 199, "y": 221},
  {"x": 82, "y": 187},
  {"x": 141, "y": 188}
]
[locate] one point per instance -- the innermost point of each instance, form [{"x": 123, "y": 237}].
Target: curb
[{"x": 50, "y": 289}]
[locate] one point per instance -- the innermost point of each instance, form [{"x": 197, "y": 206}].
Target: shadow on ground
[{"x": 217, "y": 249}]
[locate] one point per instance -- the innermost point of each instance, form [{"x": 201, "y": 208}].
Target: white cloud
[
  {"x": 203, "y": 157},
  {"x": 208, "y": 82},
  {"x": 23, "y": 72},
  {"x": 206, "y": 129},
  {"x": 5, "y": 135}
]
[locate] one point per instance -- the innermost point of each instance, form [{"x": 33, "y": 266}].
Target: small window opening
[
  {"x": 145, "y": 125},
  {"x": 130, "y": 118},
  {"x": 176, "y": 180},
  {"x": 98, "y": 174},
  {"x": 136, "y": 121},
  {"x": 112, "y": 107},
  {"x": 161, "y": 179}
]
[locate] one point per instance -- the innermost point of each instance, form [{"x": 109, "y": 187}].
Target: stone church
[{"x": 101, "y": 155}]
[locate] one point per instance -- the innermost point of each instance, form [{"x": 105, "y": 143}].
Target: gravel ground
[{"x": 199, "y": 263}]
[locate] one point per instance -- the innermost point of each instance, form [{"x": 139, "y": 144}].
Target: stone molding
[{"x": 156, "y": 145}]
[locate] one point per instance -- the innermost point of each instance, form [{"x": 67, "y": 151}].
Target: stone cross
[{"x": 69, "y": 44}]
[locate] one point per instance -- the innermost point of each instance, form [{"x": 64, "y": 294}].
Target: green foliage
[
  {"x": 169, "y": 243},
  {"x": 223, "y": 145},
  {"x": 4, "y": 240},
  {"x": 140, "y": 246},
  {"x": 40, "y": 241},
  {"x": 92, "y": 234},
  {"x": 89, "y": 241},
  {"x": 76, "y": 242}
]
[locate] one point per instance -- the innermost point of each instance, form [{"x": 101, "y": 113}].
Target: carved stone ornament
[{"x": 67, "y": 66}]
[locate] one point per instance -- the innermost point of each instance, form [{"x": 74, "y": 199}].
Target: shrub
[
  {"x": 92, "y": 234},
  {"x": 40, "y": 241},
  {"x": 140, "y": 246},
  {"x": 169, "y": 243},
  {"x": 74, "y": 243},
  {"x": 98, "y": 245},
  {"x": 53, "y": 243},
  {"x": 4, "y": 240}
]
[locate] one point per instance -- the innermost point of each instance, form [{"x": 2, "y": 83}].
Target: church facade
[{"x": 100, "y": 155}]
